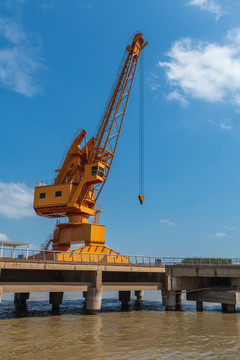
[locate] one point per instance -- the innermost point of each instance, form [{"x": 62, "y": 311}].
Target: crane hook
[{"x": 141, "y": 198}]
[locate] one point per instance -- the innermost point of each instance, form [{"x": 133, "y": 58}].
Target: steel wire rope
[{"x": 141, "y": 124}]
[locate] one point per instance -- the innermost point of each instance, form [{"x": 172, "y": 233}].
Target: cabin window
[
  {"x": 58, "y": 193},
  {"x": 94, "y": 170},
  {"x": 100, "y": 173},
  {"x": 42, "y": 195}
]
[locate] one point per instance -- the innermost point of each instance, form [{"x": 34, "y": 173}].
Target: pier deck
[{"x": 219, "y": 282}]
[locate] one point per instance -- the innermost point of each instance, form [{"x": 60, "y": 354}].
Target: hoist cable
[{"x": 141, "y": 124}]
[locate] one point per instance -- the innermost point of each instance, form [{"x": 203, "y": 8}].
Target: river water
[{"x": 143, "y": 332}]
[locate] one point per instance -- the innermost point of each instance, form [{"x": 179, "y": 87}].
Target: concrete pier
[
  {"x": 202, "y": 283},
  {"x": 94, "y": 293},
  {"x": 179, "y": 299},
  {"x": 21, "y": 298},
  {"x": 169, "y": 300},
  {"x": 228, "y": 308},
  {"x": 125, "y": 297},
  {"x": 199, "y": 306},
  {"x": 56, "y": 298},
  {"x": 227, "y": 297},
  {"x": 139, "y": 294},
  {"x": 93, "y": 300}
]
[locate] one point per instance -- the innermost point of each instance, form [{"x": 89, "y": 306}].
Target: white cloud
[
  {"x": 33, "y": 247},
  {"x": 207, "y": 71},
  {"x": 16, "y": 200},
  {"x": 3, "y": 237},
  {"x": 12, "y": 31},
  {"x": 10, "y": 4},
  {"x": 85, "y": 6},
  {"x": 47, "y": 6},
  {"x": 231, "y": 228},
  {"x": 210, "y": 5},
  {"x": 225, "y": 127},
  {"x": 221, "y": 125},
  {"x": 167, "y": 222},
  {"x": 176, "y": 96},
  {"x": 218, "y": 235},
  {"x": 20, "y": 61},
  {"x": 153, "y": 82}
]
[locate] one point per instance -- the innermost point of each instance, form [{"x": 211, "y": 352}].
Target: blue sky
[{"x": 58, "y": 61}]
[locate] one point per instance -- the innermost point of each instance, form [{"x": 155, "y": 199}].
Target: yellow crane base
[
  {"x": 88, "y": 254},
  {"x": 93, "y": 253}
]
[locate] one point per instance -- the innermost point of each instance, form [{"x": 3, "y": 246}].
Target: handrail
[
  {"x": 73, "y": 256},
  {"x": 48, "y": 182}
]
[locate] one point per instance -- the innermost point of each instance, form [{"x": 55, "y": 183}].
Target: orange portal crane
[{"x": 83, "y": 173}]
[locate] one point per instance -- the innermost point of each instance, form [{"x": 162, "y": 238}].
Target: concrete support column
[
  {"x": 1, "y": 292},
  {"x": 84, "y": 296},
  {"x": 93, "y": 300},
  {"x": 125, "y": 297},
  {"x": 169, "y": 300},
  {"x": 139, "y": 294},
  {"x": 93, "y": 296},
  {"x": 228, "y": 308},
  {"x": 55, "y": 298},
  {"x": 21, "y": 298},
  {"x": 199, "y": 305},
  {"x": 179, "y": 298}
]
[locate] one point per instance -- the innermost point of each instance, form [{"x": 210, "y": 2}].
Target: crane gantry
[{"x": 84, "y": 171}]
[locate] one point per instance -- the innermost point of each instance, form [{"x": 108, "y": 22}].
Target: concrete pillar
[
  {"x": 179, "y": 298},
  {"x": 84, "y": 296},
  {"x": 169, "y": 300},
  {"x": 21, "y": 298},
  {"x": 97, "y": 280},
  {"x": 93, "y": 300},
  {"x": 199, "y": 305},
  {"x": 139, "y": 294},
  {"x": 55, "y": 298},
  {"x": 124, "y": 297},
  {"x": 228, "y": 308},
  {"x": 93, "y": 296},
  {"x": 1, "y": 292}
]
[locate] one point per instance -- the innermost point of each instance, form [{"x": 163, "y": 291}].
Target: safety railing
[
  {"x": 44, "y": 182},
  {"x": 74, "y": 256}
]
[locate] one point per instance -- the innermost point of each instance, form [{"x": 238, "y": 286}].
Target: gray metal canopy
[{"x": 11, "y": 243}]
